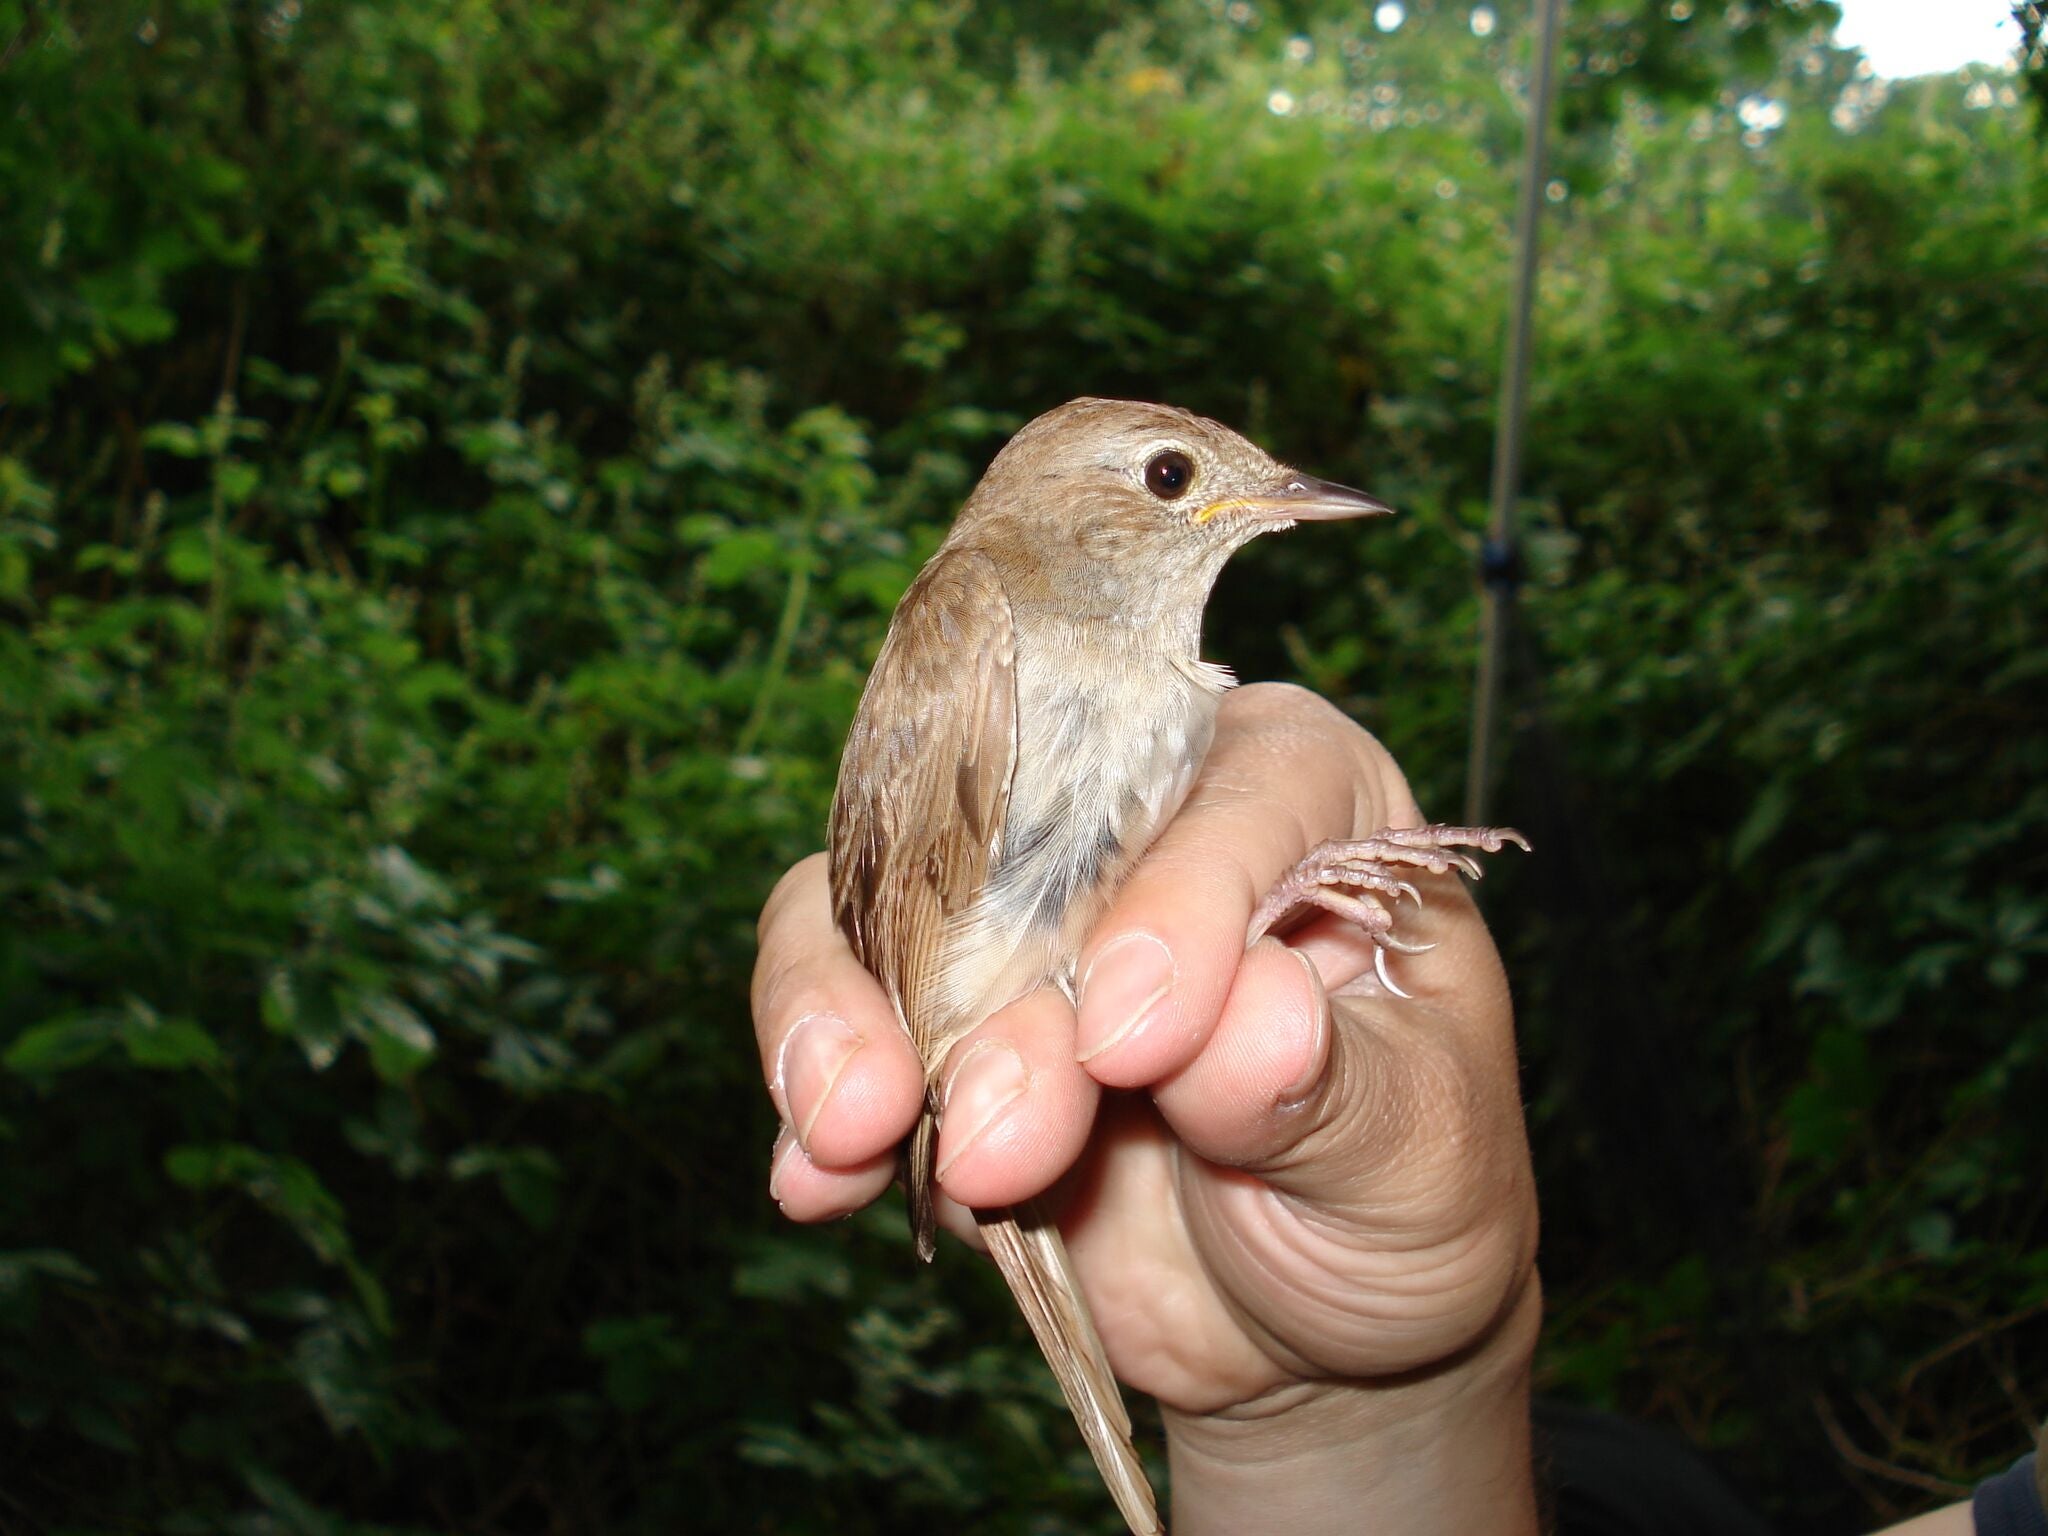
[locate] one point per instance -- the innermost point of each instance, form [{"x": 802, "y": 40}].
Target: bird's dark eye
[{"x": 1169, "y": 475}]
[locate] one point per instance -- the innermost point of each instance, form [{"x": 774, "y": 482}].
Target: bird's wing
[
  {"x": 925, "y": 782},
  {"x": 923, "y": 791}
]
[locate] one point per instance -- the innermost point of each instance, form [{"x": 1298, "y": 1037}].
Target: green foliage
[{"x": 456, "y": 462}]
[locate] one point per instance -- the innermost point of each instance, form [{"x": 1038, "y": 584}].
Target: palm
[{"x": 1199, "y": 1274}]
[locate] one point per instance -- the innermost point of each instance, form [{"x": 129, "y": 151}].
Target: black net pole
[{"x": 1499, "y": 563}]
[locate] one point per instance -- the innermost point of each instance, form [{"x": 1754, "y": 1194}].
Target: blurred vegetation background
[{"x": 457, "y": 460}]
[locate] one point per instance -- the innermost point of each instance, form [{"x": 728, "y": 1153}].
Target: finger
[
  {"x": 842, "y": 1073},
  {"x": 1344, "y": 953},
  {"x": 959, "y": 1220},
  {"x": 806, "y": 1192},
  {"x": 1253, "y": 1084},
  {"x": 1367, "y": 1105},
  {"x": 1016, "y": 1106},
  {"x": 1286, "y": 772},
  {"x": 1353, "y": 1221}
]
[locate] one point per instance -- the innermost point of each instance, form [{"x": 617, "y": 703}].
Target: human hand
[{"x": 1309, "y": 1231}]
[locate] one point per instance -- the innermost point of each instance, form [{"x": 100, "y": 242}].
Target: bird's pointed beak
[
  {"x": 1306, "y": 499},
  {"x": 1302, "y": 499}
]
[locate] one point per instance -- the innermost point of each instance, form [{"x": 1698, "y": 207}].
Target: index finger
[{"x": 1286, "y": 772}]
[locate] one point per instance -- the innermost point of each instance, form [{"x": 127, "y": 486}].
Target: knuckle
[
  {"x": 1284, "y": 719},
  {"x": 1283, "y": 723},
  {"x": 1282, "y": 702},
  {"x": 798, "y": 884}
]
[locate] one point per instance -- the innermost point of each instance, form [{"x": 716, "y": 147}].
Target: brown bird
[{"x": 1036, "y": 715}]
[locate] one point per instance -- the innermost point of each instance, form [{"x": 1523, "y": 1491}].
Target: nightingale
[{"x": 1036, "y": 714}]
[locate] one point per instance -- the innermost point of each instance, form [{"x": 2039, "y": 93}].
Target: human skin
[
  {"x": 1953, "y": 1521},
  {"x": 1310, "y": 1230}
]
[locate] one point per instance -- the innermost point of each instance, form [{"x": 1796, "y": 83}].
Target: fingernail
[
  {"x": 813, "y": 1056},
  {"x": 778, "y": 1162},
  {"x": 991, "y": 1078},
  {"x": 1295, "y": 1094},
  {"x": 1125, "y": 982}
]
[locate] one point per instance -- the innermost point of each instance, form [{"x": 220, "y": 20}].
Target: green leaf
[
  {"x": 284, "y": 1186},
  {"x": 528, "y": 1177},
  {"x": 787, "y": 1269},
  {"x": 188, "y": 557},
  {"x": 140, "y": 322},
  {"x": 641, "y": 1356},
  {"x": 21, "y": 1269},
  {"x": 15, "y": 568},
  {"x": 236, "y": 480},
  {"x": 170, "y": 1045},
  {"x": 96, "y": 1424},
  {"x": 345, "y": 480},
  {"x": 880, "y": 583},
  {"x": 399, "y": 1040},
  {"x": 61, "y": 1044},
  {"x": 370, "y": 1292},
  {"x": 740, "y": 556},
  {"x": 280, "y": 1001},
  {"x": 1766, "y": 815},
  {"x": 175, "y": 437},
  {"x": 700, "y": 528},
  {"x": 1932, "y": 1234},
  {"x": 410, "y": 887},
  {"x": 94, "y": 557},
  {"x": 1831, "y": 1108}
]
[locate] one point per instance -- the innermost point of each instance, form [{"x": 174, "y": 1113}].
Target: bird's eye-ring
[{"x": 1169, "y": 475}]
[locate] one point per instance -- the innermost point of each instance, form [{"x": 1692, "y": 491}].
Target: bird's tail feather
[
  {"x": 917, "y": 1182},
  {"x": 1028, "y": 1249}
]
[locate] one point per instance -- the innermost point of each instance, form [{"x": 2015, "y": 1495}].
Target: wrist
[{"x": 1443, "y": 1450}]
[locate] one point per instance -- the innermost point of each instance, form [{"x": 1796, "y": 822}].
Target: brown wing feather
[
  {"x": 923, "y": 789},
  {"x": 925, "y": 781}
]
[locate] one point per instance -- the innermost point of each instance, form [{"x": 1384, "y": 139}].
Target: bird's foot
[{"x": 1361, "y": 881}]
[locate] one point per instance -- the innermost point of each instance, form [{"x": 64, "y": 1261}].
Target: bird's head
[{"x": 1106, "y": 494}]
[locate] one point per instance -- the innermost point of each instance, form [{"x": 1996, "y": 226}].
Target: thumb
[
  {"x": 1287, "y": 1089},
  {"x": 1392, "y": 1115}
]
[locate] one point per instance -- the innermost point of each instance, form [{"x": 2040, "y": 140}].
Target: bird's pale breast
[{"x": 1110, "y": 738}]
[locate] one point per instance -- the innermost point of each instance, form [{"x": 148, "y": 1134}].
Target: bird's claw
[
  {"x": 1379, "y": 966},
  {"x": 1388, "y": 941},
  {"x": 1353, "y": 880}
]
